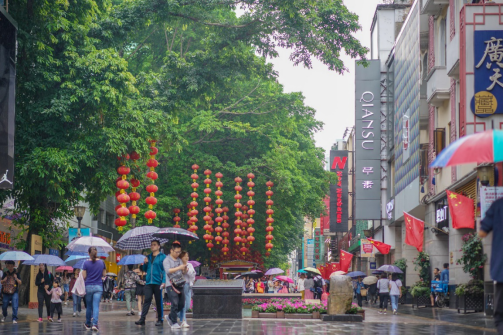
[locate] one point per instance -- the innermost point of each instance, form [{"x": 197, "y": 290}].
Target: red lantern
[
  {"x": 194, "y": 176},
  {"x": 269, "y": 202},
  {"x": 269, "y": 229},
  {"x": 152, "y": 163},
  {"x": 269, "y": 193},
  {"x": 218, "y": 239},
  {"x": 194, "y": 185},
  {"x": 250, "y": 239},
  {"x": 150, "y": 215},
  {"x": 120, "y": 222},
  {"x": 123, "y": 170},
  {"x": 269, "y": 184},
  {"x": 134, "y": 209},
  {"x": 269, "y": 246},
  {"x": 152, "y": 175},
  {"x": 210, "y": 245},
  {"x": 153, "y": 151},
  {"x": 123, "y": 198},
  {"x": 133, "y": 196},
  {"x": 151, "y": 200},
  {"x": 269, "y": 237},
  {"x": 123, "y": 212},
  {"x": 269, "y": 220},
  {"x": 135, "y": 156},
  {"x": 122, "y": 184}
]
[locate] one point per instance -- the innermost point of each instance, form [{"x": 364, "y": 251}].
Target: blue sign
[
  {"x": 373, "y": 265},
  {"x": 72, "y": 233},
  {"x": 310, "y": 241},
  {"x": 488, "y": 73},
  {"x": 54, "y": 252}
]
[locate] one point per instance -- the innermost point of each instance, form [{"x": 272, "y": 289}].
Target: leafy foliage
[
  {"x": 422, "y": 262},
  {"x": 472, "y": 288},
  {"x": 402, "y": 265},
  {"x": 473, "y": 258}
]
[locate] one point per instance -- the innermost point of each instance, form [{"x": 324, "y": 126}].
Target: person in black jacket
[{"x": 43, "y": 281}]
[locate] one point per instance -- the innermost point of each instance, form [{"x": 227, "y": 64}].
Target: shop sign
[
  {"x": 487, "y": 196},
  {"x": 442, "y": 214},
  {"x": 366, "y": 248},
  {"x": 389, "y": 208},
  {"x": 5, "y": 238},
  {"x": 54, "y": 252},
  {"x": 339, "y": 192},
  {"x": 373, "y": 265}
]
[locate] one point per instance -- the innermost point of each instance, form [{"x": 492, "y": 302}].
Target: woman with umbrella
[
  {"x": 358, "y": 286},
  {"x": 309, "y": 287},
  {"x": 92, "y": 271},
  {"x": 43, "y": 281}
]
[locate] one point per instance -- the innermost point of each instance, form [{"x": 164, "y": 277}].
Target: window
[
  {"x": 442, "y": 38},
  {"x": 423, "y": 163},
  {"x": 439, "y": 140}
]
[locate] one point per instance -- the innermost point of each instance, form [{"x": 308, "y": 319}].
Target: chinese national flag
[
  {"x": 462, "y": 212},
  {"x": 322, "y": 271},
  {"x": 345, "y": 262},
  {"x": 381, "y": 247},
  {"x": 331, "y": 268},
  {"x": 414, "y": 231}
]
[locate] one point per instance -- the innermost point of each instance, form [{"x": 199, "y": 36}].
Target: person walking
[
  {"x": 492, "y": 222},
  {"x": 175, "y": 281},
  {"x": 76, "y": 299},
  {"x": 300, "y": 286},
  {"x": 383, "y": 288},
  {"x": 129, "y": 282},
  {"x": 318, "y": 286},
  {"x": 92, "y": 272},
  {"x": 372, "y": 293},
  {"x": 56, "y": 305},
  {"x": 358, "y": 285},
  {"x": 43, "y": 281},
  {"x": 270, "y": 285},
  {"x": 190, "y": 277},
  {"x": 444, "y": 275},
  {"x": 309, "y": 288},
  {"x": 153, "y": 266},
  {"x": 108, "y": 288},
  {"x": 10, "y": 289},
  {"x": 65, "y": 283},
  {"x": 140, "y": 290},
  {"x": 395, "y": 292}
]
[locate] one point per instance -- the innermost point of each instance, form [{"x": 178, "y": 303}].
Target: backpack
[
  {"x": 10, "y": 286},
  {"x": 318, "y": 283}
]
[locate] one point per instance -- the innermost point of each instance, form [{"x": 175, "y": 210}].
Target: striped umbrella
[
  {"x": 139, "y": 238},
  {"x": 175, "y": 234}
]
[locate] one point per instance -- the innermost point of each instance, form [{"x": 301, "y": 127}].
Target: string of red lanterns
[
  {"x": 193, "y": 213},
  {"x": 225, "y": 233},
  {"x": 238, "y": 213},
  {"x": 219, "y": 201},
  {"x": 134, "y": 196},
  {"x": 121, "y": 195},
  {"x": 207, "y": 209},
  {"x": 177, "y": 218},
  {"x": 152, "y": 163},
  {"x": 251, "y": 212},
  {"x": 269, "y": 220},
  {"x": 244, "y": 241}
]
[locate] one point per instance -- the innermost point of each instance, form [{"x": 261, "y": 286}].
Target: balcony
[
  {"x": 438, "y": 86},
  {"x": 452, "y": 59},
  {"x": 433, "y": 7}
]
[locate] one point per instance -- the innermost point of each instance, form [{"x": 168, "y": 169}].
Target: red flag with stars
[
  {"x": 345, "y": 260},
  {"x": 414, "y": 231},
  {"x": 331, "y": 268},
  {"x": 380, "y": 246},
  {"x": 462, "y": 210}
]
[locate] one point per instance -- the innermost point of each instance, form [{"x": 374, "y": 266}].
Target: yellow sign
[
  {"x": 36, "y": 248},
  {"x": 485, "y": 103}
]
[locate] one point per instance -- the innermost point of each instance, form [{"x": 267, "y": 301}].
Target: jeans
[
  {"x": 129, "y": 294},
  {"x": 394, "y": 302},
  {"x": 120, "y": 296},
  {"x": 77, "y": 307},
  {"x": 359, "y": 298},
  {"x": 183, "y": 313},
  {"x": 15, "y": 304},
  {"x": 93, "y": 298},
  {"x": 150, "y": 291},
  {"x": 177, "y": 303},
  {"x": 498, "y": 307},
  {"x": 43, "y": 298},
  {"x": 383, "y": 300}
]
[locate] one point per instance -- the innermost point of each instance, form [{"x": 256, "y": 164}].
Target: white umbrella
[
  {"x": 370, "y": 280},
  {"x": 15, "y": 255},
  {"x": 84, "y": 243}
]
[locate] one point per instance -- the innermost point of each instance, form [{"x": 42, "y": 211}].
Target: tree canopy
[{"x": 97, "y": 78}]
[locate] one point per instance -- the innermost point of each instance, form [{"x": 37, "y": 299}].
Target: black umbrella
[
  {"x": 251, "y": 275},
  {"x": 172, "y": 233}
]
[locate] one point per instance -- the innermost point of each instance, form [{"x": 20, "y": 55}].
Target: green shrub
[{"x": 472, "y": 288}]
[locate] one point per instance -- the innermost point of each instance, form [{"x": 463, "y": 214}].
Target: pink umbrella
[
  {"x": 284, "y": 278},
  {"x": 64, "y": 268}
]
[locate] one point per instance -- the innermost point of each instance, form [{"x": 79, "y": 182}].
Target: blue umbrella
[
  {"x": 48, "y": 259},
  {"x": 356, "y": 274},
  {"x": 79, "y": 264},
  {"x": 72, "y": 260},
  {"x": 390, "y": 269},
  {"x": 15, "y": 255},
  {"x": 134, "y": 259},
  {"x": 73, "y": 253}
]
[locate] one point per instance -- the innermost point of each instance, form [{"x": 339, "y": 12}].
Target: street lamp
[{"x": 79, "y": 212}]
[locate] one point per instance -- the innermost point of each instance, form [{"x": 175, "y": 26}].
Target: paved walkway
[{"x": 113, "y": 320}]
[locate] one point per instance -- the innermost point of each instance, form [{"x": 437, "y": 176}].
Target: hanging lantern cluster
[
  {"x": 238, "y": 222},
  {"x": 225, "y": 232},
  {"x": 269, "y": 220},
  {"x": 151, "y": 188},
  {"x": 250, "y": 221},
  {"x": 193, "y": 212},
  {"x": 121, "y": 195},
  {"x": 134, "y": 196},
  {"x": 177, "y": 218},
  {"x": 207, "y": 209},
  {"x": 244, "y": 217},
  {"x": 219, "y": 201}
]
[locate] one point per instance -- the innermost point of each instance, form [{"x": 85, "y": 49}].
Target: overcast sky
[{"x": 331, "y": 94}]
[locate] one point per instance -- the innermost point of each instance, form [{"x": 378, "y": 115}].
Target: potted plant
[
  {"x": 269, "y": 311},
  {"x": 315, "y": 310},
  {"x": 420, "y": 294},
  {"x": 280, "y": 313},
  {"x": 255, "y": 311},
  {"x": 470, "y": 296},
  {"x": 355, "y": 309}
]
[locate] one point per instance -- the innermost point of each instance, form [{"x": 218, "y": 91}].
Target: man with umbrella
[{"x": 10, "y": 287}]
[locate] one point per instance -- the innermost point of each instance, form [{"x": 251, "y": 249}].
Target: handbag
[
  {"x": 177, "y": 280},
  {"x": 363, "y": 291}
]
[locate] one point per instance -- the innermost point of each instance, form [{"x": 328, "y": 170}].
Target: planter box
[
  {"x": 189, "y": 315},
  {"x": 247, "y": 306},
  {"x": 299, "y": 316},
  {"x": 362, "y": 313},
  {"x": 267, "y": 315},
  {"x": 421, "y": 301},
  {"x": 280, "y": 314},
  {"x": 465, "y": 303},
  {"x": 255, "y": 313},
  {"x": 316, "y": 315}
]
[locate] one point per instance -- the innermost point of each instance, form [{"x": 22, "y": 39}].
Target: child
[{"x": 56, "y": 305}]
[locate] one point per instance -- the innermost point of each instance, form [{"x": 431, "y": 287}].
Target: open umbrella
[
  {"x": 15, "y": 255},
  {"x": 251, "y": 275},
  {"x": 65, "y": 268},
  {"x": 312, "y": 270},
  {"x": 172, "y": 233},
  {"x": 370, "y": 280},
  {"x": 48, "y": 259},
  {"x": 82, "y": 244},
  {"x": 85, "y": 254},
  {"x": 301, "y": 271},
  {"x": 111, "y": 274},
  {"x": 284, "y": 278},
  {"x": 377, "y": 272},
  {"x": 139, "y": 238},
  {"x": 475, "y": 148},
  {"x": 339, "y": 273},
  {"x": 134, "y": 259},
  {"x": 390, "y": 269},
  {"x": 80, "y": 263},
  {"x": 194, "y": 263},
  {"x": 72, "y": 260},
  {"x": 356, "y": 274},
  {"x": 274, "y": 271}
]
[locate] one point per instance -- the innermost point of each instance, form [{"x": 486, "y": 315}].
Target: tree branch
[
  {"x": 214, "y": 23},
  {"x": 141, "y": 44},
  {"x": 242, "y": 98}
]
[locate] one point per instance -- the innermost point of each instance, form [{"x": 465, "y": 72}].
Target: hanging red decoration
[
  {"x": 121, "y": 195},
  {"x": 152, "y": 163},
  {"x": 250, "y": 221},
  {"x": 269, "y": 219},
  {"x": 193, "y": 213},
  {"x": 238, "y": 222},
  {"x": 225, "y": 233},
  {"x": 207, "y": 210},
  {"x": 219, "y": 209},
  {"x": 177, "y": 218}
]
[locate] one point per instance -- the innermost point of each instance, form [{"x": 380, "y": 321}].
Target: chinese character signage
[
  {"x": 488, "y": 73},
  {"x": 368, "y": 141},
  {"x": 339, "y": 191},
  {"x": 319, "y": 246},
  {"x": 487, "y": 196},
  {"x": 54, "y": 252},
  {"x": 366, "y": 248}
]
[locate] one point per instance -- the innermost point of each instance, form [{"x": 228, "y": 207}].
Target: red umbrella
[
  {"x": 284, "y": 278},
  {"x": 64, "y": 268}
]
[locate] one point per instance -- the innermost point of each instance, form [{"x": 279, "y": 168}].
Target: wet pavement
[{"x": 114, "y": 321}]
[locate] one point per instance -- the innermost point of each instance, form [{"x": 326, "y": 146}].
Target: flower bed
[{"x": 285, "y": 308}]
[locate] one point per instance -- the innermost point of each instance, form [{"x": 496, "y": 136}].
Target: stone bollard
[{"x": 341, "y": 295}]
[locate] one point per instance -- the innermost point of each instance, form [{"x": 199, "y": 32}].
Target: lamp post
[{"x": 79, "y": 212}]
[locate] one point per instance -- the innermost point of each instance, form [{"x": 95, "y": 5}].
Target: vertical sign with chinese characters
[
  {"x": 319, "y": 247},
  {"x": 368, "y": 141},
  {"x": 339, "y": 191},
  {"x": 488, "y": 73},
  {"x": 325, "y": 220}
]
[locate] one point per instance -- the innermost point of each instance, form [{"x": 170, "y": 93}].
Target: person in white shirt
[
  {"x": 383, "y": 288},
  {"x": 300, "y": 285},
  {"x": 395, "y": 292},
  {"x": 190, "y": 276}
]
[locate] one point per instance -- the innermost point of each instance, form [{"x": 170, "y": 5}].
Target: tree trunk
[{"x": 24, "y": 275}]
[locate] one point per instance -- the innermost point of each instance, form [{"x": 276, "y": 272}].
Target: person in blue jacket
[{"x": 153, "y": 266}]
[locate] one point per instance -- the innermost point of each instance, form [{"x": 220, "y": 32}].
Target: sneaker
[
  {"x": 394, "y": 312},
  {"x": 140, "y": 322},
  {"x": 87, "y": 327},
  {"x": 40, "y": 319},
  {"x": 166, "y": 317},
  {"x": 74, "y": 314},
  {"x": 95, "y": 328},
  {"x": 158, "y": 323},
  {"x": 175, "y": 326},
  {"x": 14, "y": 321},
  {"x": 385, "y": 312},
  {"x": 380, "y": 311},
  {"x": 66, "y": 303},
  {"x": 3, "y": 319},
  {"x": 128, "y": 314},
  {"x": 78, "y": 314},
  {"x": 132, "y": 313},
  {"x": 59, "y": 320},
  {"x": 185, "y": 325},
  {"x": 50, "y": 319}
]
